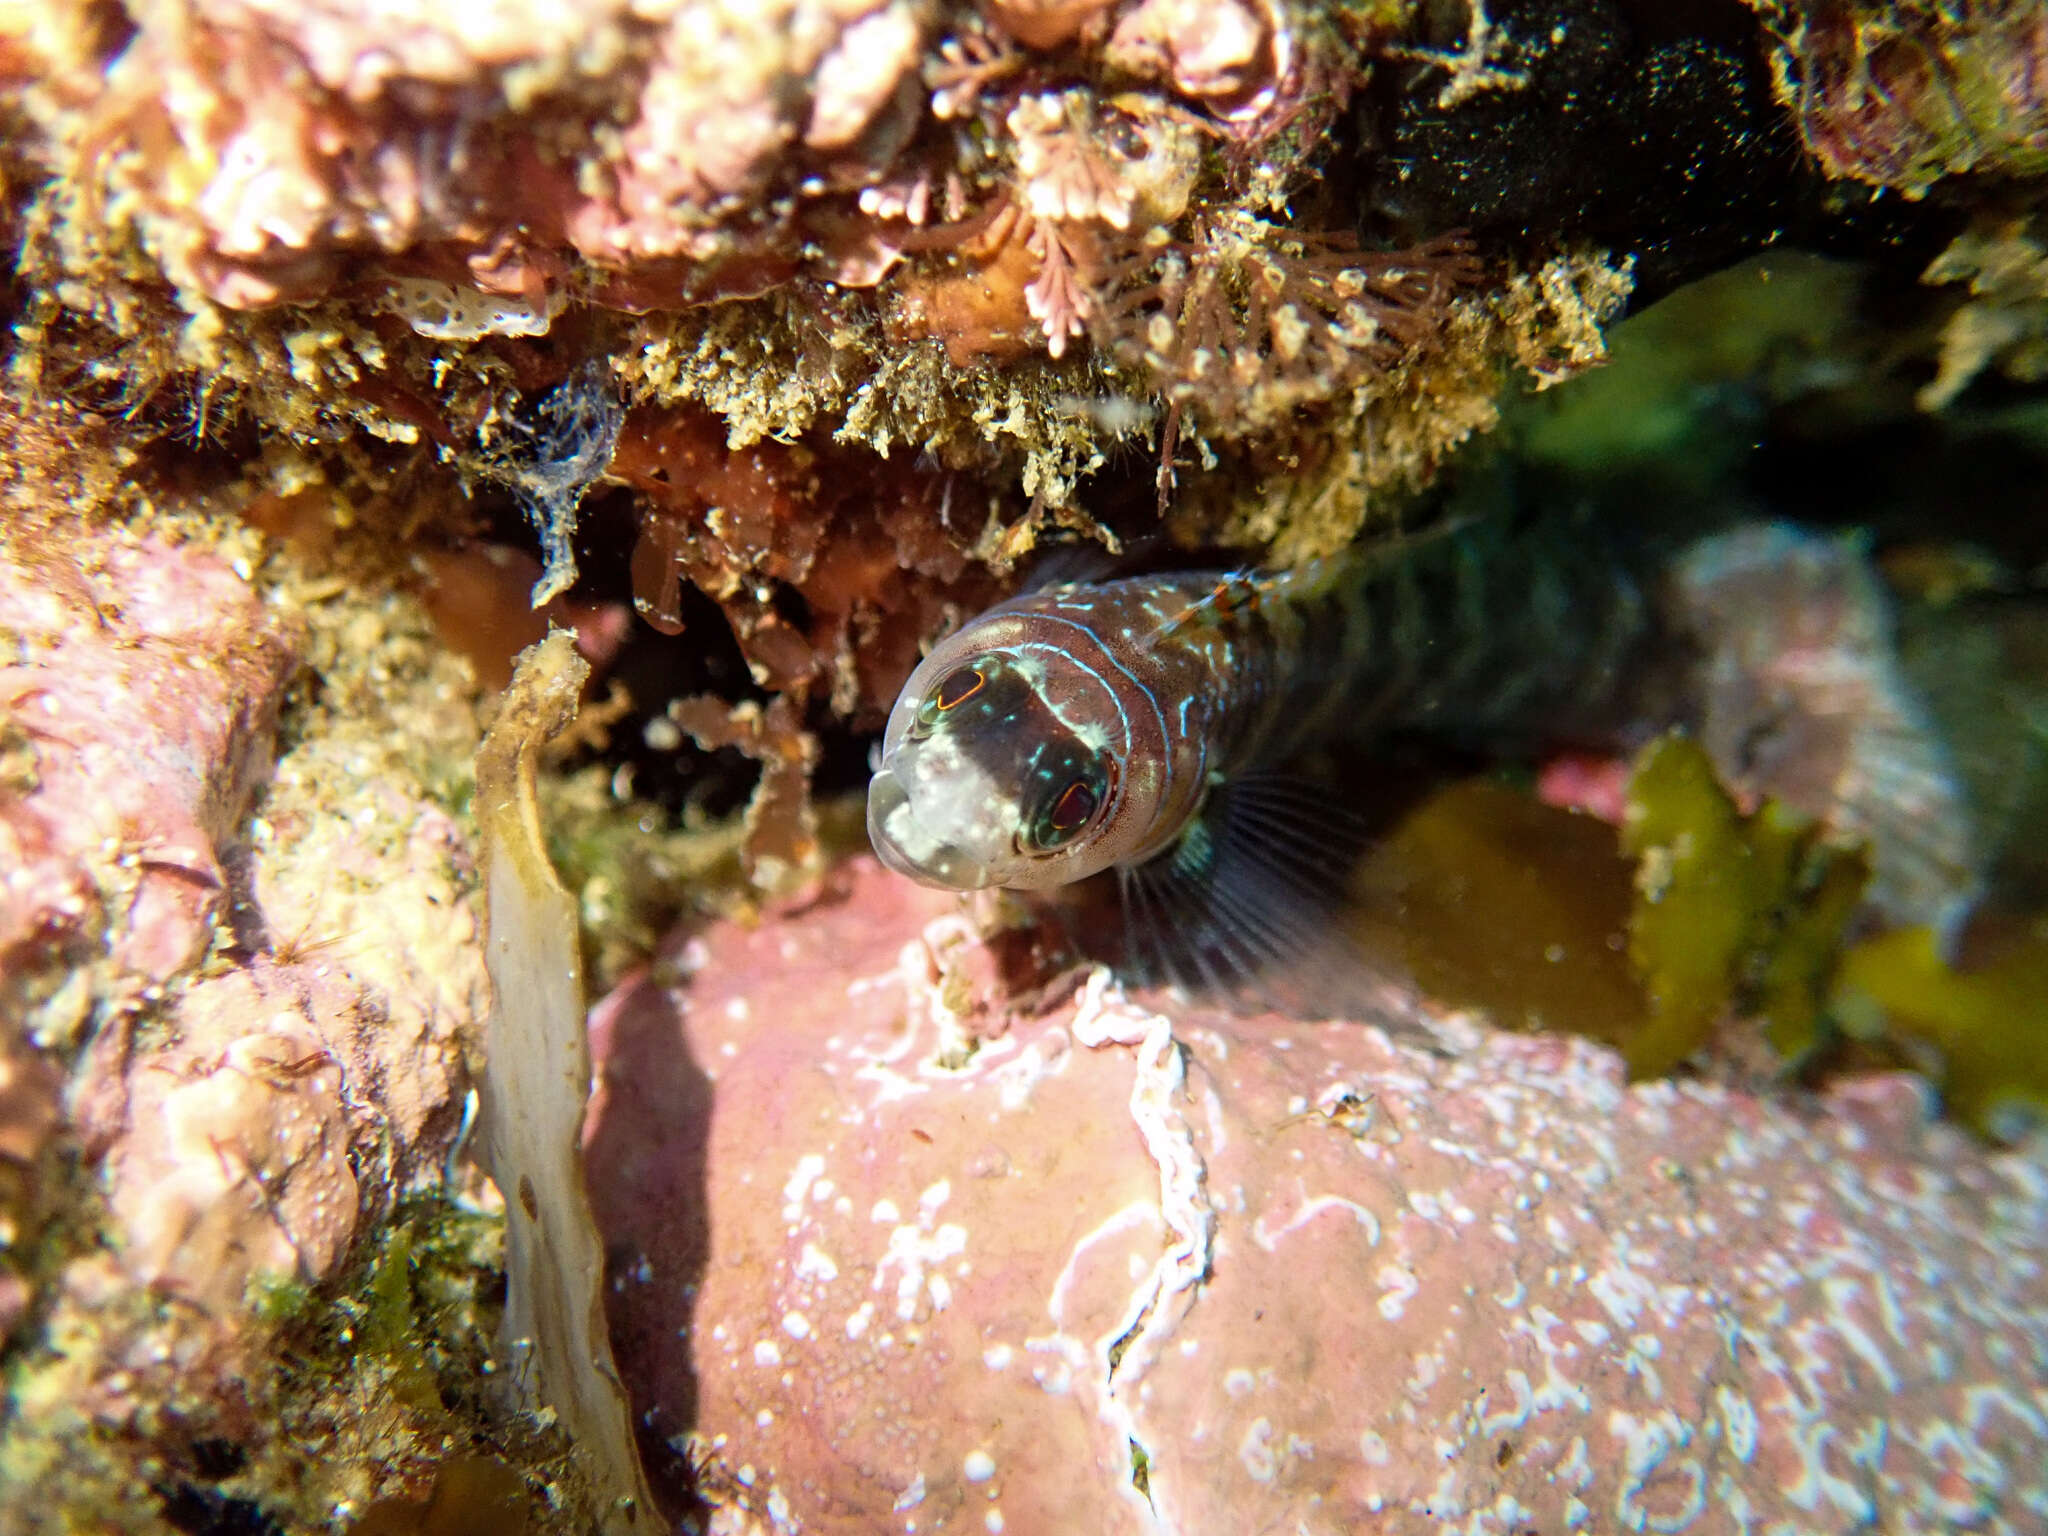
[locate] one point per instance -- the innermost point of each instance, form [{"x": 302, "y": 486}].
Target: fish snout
[{"x": 901, "y": 844}]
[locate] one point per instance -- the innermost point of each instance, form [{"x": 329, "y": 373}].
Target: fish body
[
  {"x": 1147, "y": 725},
  {"x": 1144, "y": 724}
]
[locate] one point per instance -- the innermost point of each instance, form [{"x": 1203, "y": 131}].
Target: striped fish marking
[{"x": 1145, "y": 726}]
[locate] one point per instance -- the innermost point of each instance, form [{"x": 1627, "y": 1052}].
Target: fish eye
[
  {"x": 951, "y": 691},
  {"x": 1067, "y": 813},
  {"x": 958, "y": 686},
  {"x": 1073, "y": 808}
]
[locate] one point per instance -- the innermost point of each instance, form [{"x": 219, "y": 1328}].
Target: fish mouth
[{"x": 942, "y": 866}]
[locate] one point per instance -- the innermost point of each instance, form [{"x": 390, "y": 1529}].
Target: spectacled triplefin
[{"x": 1147, "y": 725}]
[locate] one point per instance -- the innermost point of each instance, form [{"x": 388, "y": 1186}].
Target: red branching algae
[
  {"x": 782, "y": 829},
  {"x": 477, "y": 596},
  {"x": 873, "y": 553},
  {"x": 973, "y": 301}
]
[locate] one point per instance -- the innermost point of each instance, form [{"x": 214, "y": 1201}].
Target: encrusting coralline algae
[{"x": 936, "y": 1261}]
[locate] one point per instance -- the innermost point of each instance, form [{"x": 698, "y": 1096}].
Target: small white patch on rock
[
  {"x": 816, "y": 1264},
  {"x": 1400, "y": 1288},
  {"x": 1255, "y": 1450},
  {"x": 807, "y": 1169}
]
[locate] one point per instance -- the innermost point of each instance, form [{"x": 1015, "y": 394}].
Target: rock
[
  {"x": 235, "y": 990},
  {"x": 236, "y": 1162},
  {"x": 141, "y": 699},
  {"x": 1118, "y": 1270}
]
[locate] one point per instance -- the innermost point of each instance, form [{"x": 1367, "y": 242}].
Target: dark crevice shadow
[{"x": 645, "y": 1157}]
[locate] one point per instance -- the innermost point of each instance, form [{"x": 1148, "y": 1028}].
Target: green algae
[
  {"x": 1799, "y": 962},
  {"x": 1702, "y": 887},
  {"x": 386, "y": 1369},
  {"x": 1977, "y": 1028},
  {"x": 1731, "y": 909},
  {"x": 1491, "y": 900},
  {"x": 1646, "y": 938},
  {"x": 1671, "y": 407},
  {"x": 360, "y": 1386},
  {"x": 635, "y": 868},
  {"x": 389, "y": 1323}
]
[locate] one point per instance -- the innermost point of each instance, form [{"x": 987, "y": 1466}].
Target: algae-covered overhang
[{"x": 1031, "y": 244}]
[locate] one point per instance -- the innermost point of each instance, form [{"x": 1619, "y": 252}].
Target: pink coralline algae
[
  {"x": 142, "y": 684},
  {"x": 892, "y": 1254},
  {"x": 273, "y": 141},
  {"x": 236, "y": 1163},
  {"x": 269, "y": 1052}
]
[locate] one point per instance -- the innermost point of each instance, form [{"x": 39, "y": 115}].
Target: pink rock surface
[
  {"x": 250, "y": 1027},
  {"x": 145, "y": 682},
  {"x": 234, "y": 1159},
  {"x": 1115, "y": 1270}
]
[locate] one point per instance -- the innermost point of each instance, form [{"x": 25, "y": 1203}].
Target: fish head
[{"x": 1001, "y": 766}]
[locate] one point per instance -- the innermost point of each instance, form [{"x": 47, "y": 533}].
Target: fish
[{"x": 1154, "y": 728}]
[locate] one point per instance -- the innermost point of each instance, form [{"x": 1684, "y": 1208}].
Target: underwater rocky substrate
[
  {"x": 271, "y": 970},
  {"x": 889, "y": 1239},
  {"x": 766, "y": 349},
  {"x": 890, "y": 1251}
]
